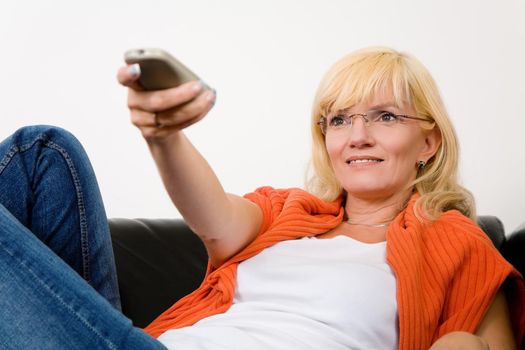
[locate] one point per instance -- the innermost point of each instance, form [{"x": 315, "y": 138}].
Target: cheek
[
  {"x": 334, "y": 148},
  {"x": 404, "y": 154}
]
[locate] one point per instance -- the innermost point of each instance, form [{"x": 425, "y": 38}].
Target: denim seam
[
  {"x": 81, "y": 208},
  {"x": 76, "y": 181},
  {"x": 7, "y": 158},
  {"x": 109, "y": 343}
]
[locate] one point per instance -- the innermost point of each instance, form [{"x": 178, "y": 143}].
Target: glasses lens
[{"x": 374, "y": 115}]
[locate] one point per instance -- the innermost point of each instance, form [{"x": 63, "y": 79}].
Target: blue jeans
[{"x": 58, "y": 285}]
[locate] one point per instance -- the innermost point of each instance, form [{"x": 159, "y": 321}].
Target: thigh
[
  {"x": 46, "y": 305},
  {"x": 47, "y": 183}
]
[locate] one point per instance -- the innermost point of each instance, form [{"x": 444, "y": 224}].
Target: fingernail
[
  {"x": 134, "y": 70},
  {"x": 211, "y": 96},
  {"x": 197, "y": 86}
]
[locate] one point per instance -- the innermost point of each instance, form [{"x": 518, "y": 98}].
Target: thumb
[{"x": 129, "y": 76}]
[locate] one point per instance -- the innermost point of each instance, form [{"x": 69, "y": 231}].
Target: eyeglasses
[{"x": 373, "y": 119}]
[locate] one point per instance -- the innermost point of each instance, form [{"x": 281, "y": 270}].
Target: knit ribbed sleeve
[{"x": 447, "y": 274}]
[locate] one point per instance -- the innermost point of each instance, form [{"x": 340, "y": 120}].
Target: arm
[
  {"x": 226, "y": 223},
  {"x": 493, "y": 333},
  {"x": 495, "y": 328}
]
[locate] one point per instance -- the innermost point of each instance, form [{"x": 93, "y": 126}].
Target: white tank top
[{"x": 309, "y": 293}]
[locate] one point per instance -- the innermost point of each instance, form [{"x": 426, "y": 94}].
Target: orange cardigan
[{"x": 447, "y": 271}]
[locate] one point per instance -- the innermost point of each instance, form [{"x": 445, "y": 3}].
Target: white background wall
[{"x": 58, "y": 61}]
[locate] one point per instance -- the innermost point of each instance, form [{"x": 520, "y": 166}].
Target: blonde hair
[{"x": 357, "y": 77}]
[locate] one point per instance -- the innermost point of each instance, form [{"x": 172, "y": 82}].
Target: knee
[
  {"x": 41, "y": 138},
  {"x": 53, "y": 136},
  {"x": 28, "y": 134}
]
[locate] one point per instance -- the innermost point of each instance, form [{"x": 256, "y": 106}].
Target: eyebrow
[
  {"x": 374, "y": 107},
  {"x": 384, "y": 105}
]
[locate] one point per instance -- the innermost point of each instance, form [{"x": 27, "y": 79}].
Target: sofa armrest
[
  {"x": 493, "y": 227},
  {"x": 158, "y": 262},
  {"x": 514, "y": 249}
]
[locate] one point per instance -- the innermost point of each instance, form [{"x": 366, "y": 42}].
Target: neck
[{"x": 375, "y": 212}]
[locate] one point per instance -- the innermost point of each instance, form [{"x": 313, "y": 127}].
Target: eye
[
  {"x": 337, "y": 121},
  {"x": 386, "y": 117}
]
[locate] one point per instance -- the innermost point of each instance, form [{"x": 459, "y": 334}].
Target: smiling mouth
[{"x": 363, "y": 161}]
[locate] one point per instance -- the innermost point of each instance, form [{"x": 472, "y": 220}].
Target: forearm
[
  {"x": 192, "y": 185},
  {"x": 460, "y": 340}
]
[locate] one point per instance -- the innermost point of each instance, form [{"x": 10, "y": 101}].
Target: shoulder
[
  {"x": 452, "y": 232},
  {"x": 463, "y": 243},
  {"x": 452, "y": 240},
  {"x": 272, "y": 200},
  {"x": 294, "y": 205},
  {"x": 453, "y": 225},
  {"x": 268, "y": 193},
  {"x": 278, "y": 200}
]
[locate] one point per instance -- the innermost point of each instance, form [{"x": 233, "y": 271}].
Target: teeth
[{"x": 364, "y": 161}]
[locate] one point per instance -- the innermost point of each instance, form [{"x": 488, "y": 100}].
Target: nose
[{"x": 359, "y": 134}]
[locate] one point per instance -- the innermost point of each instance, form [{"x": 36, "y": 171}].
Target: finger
[
  {"x": 161, "y": 100},
  {"x": 141, "y": 118},
  {"x": 188, "y": 113},
  {"x": 152, "y": 132},
  {"x": 129, "y": 76},
  {"x": 205, "y": 112}
]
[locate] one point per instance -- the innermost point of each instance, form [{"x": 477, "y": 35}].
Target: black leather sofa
[{"x": 160, "y": 260}]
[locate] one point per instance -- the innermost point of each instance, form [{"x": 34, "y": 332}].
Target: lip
[{"x": 359, "y": 160}]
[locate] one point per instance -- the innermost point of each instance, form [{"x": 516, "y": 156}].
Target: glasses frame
[{"x": 323, "y": 120}]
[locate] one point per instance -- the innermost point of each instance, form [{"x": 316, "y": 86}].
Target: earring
[{"x": 421, "y": 164}]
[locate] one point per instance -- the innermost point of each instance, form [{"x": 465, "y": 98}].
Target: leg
[
  {"x": 47, "y": 183},
  {"x": 46, "y": 305}
]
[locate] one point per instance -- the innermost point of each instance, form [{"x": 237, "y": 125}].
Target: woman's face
[{"x": 378, "y": 161}]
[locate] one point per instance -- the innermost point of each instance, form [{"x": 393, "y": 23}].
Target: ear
[{"x": 432, "y": 143}]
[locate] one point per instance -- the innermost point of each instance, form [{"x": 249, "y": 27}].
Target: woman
[
  {"x": 385, "y": 159},
  {"x": 383, "y": 254}
]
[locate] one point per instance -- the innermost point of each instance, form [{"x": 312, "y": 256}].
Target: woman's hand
[{"x": 162, "y": 113}]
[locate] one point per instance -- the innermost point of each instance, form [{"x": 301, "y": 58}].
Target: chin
[
  {"x": 367, "y": 193},
  {"x": 375, "y": 193}
]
